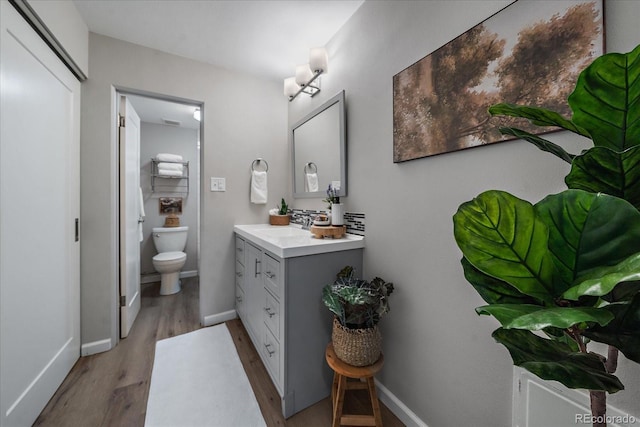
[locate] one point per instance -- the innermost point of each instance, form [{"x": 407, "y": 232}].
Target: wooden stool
[{"x": 342, "y": 371}]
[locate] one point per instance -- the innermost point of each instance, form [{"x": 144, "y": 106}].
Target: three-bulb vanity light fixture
[{"x": 307, "y": 76}]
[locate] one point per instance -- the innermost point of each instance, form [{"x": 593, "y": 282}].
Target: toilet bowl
[{"x": 169, "y": 242}]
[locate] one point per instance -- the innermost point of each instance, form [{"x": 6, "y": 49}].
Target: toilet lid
[{"x": 170, "y": 256}]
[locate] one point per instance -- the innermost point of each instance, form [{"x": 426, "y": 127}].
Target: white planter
[{"x": 337, "y": 214}]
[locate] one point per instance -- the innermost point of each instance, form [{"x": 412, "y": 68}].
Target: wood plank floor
[{"x": 111, "y": 388}]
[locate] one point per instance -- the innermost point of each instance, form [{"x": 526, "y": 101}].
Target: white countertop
[{"x": 292, "y": 241}]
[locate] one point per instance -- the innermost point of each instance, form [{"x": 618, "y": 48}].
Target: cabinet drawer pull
[
  {"x": 256, "y": 272},
  {"x": 270, "y": 275},
  {"x": 239, "y": 273},
  {"x": 239, "y": 299},
  {"x": 269, "y": 312},
  {"x": 267, "y": 346},
  {"x": 239, "y": 249}
]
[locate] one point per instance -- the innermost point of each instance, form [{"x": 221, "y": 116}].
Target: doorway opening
[{"x": 168, "y": 126}]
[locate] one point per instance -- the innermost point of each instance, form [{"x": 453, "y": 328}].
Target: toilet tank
[{"x": 170, "y": 239}]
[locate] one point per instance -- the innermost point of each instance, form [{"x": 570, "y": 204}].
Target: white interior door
[
  {"x": 39, "y": 206},
  {"x": 130, "y": 209}
]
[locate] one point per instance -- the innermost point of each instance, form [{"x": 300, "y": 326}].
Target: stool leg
[
  {"x": 334, "y": 388},
  {"x": 339, "y": 401},
  {"x": 374, "y": 401}
]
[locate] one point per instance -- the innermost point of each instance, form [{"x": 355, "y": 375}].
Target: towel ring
[
  {"x": 257, "y": 161},
  {"x": 307, "y": 168}
]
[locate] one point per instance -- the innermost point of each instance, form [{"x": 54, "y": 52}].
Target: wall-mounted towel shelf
[{"x": 169, "y": 182}]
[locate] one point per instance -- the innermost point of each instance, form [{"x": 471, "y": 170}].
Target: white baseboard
[
  {"x": 152, "y": 278},
  {"x": 214, "y": 319},
  {"x": 398, "y": 408},
  {"x": 95, "y": 347}
]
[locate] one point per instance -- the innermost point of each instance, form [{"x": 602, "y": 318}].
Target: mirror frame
[{"x": 339, "y": 100}]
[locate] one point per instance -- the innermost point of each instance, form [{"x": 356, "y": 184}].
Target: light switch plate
[{"x": 218, "y": 184}]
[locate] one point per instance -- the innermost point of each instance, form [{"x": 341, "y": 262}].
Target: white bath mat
[{"x": 198, "y": 381}]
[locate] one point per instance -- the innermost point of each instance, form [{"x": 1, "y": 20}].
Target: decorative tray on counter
[{"x": 333, "y": 231}]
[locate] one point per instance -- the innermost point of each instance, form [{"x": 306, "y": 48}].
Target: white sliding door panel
[{"x": 39, "y": 202}]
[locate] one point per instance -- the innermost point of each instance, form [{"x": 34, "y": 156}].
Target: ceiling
[
  {"x": 261, "y": 37},
  {"x": 157, "y": 111}
]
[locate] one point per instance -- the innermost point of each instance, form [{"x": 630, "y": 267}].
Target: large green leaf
[
  {"x": 588, "y": 231},
  {"x": 332, "y": 302},
  {"x": 606, "y": 100},
  {"x": 559, "y": 317},
  {"x": 602, "y": 170},
  {"x": 541, "y": 143},
  {"x": 601, "y": 281},
  {"x": 554, "y": 360},
  {"x": 506, "y": 313},
  {"x": 537, "y": 116},
  {"x": 624, "y": 291},
  {"x": 492, "y": 290},
  {"x": 623, "y": 332},
  {"x": 502, "y": 237}
]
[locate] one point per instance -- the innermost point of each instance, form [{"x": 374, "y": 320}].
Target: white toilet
[{"x": 169, "y": 242}]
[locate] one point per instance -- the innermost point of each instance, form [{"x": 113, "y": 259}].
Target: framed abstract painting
[{"x": 530, "y": 53}]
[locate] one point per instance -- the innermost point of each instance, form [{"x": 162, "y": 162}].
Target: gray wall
[
  {"x": 244, "y": 117},
  {"x": 440, "y": 359},
  {"x": 154, "y": 139}
]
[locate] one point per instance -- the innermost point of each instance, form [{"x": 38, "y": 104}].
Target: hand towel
[
  {"x": 310, "y": 182},
  {"x": 167, "y": 172},
  {"x": 171, "y": 166},
  {"x": 167, "y": 157},
  {"x": 142, "y": 215},
  {"x": 259, "y": 187}
]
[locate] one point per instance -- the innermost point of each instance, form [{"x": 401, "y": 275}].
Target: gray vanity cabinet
[{"x": 281, "y": 307}]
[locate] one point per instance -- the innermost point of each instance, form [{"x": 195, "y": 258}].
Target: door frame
[{"x": 116, "y": 91}]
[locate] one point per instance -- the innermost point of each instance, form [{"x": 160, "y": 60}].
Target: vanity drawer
[
  {"x": 271, "y": 355},
  {"x": 272, "y": 278},
  {"x": 240, "y": 250},
  {"x": 271, "y": 314},
  {"x": 239, "y": 274},
  {"x": 240, "y": 302}
]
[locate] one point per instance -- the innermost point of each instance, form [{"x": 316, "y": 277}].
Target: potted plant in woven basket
[
  {"x": 280, "y": 215},
  {"x": 358, "y": 306}
]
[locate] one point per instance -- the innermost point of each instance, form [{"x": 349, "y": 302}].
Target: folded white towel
[
  {"x": 310, "y": 182},
  {"x": 171, "y": 166},
  {"x": 259, "y": 187},
  {"x": 166, "y": 157},
  {"x": 168, "y": 172}
]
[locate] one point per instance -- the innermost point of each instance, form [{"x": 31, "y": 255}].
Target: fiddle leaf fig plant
[{"x": 566, "y": 270}]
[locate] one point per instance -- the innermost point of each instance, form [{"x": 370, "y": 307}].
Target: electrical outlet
[{"x": 218, "y": 184}]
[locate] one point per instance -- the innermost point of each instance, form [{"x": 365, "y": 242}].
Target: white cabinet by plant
[{"x": 281, "y": 308}]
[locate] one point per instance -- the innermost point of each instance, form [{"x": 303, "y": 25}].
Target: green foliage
[
  {"x": 547, "y": 266},
  {"x": 357, "y": 303},
  {"x": 569, "y": 265},
  {"x": 283, "y": 209}
]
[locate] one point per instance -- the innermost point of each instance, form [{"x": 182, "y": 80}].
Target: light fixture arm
[{"x": 309, "y": 88}]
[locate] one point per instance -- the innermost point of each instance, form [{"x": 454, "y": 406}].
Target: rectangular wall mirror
[{"x": 319, "y": 150}]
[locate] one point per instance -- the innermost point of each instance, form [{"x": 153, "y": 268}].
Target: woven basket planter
[
  {"x": 357, "y": 347},
  {"x": 279, "y": 219}
]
